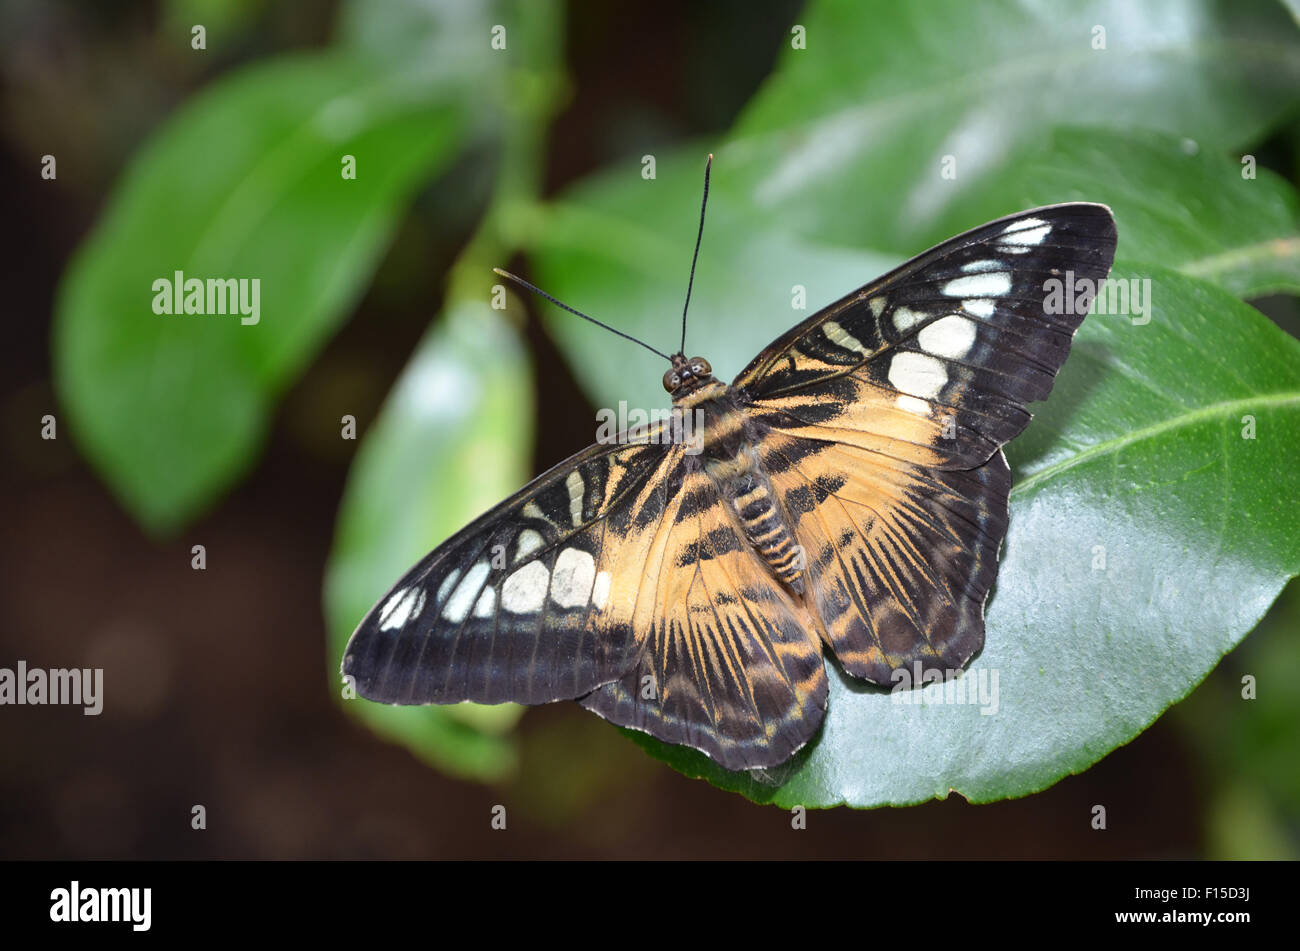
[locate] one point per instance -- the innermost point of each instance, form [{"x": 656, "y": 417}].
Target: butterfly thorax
[{"x": 730, "y": 457}]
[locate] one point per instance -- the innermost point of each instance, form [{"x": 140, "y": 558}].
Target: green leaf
[
  {"x": 1147, "y": 538},
  {"x": 1180, "y": 207},
  {"x": 244, "y": 182},
  {"x": 863, "y": 118},
  {"x": 450, "y": 442},
  {"x": 834, "y": 174},
  {"x": 1123, "y": 456}
]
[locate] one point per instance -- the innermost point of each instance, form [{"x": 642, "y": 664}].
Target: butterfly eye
[
  {"x": 700, "y": 366},
  {"x": 671, "y": 380}
]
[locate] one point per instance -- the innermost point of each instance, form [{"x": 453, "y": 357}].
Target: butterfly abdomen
[
  {"x": 768, "y": 532},
  {"x": 732, "y": 462}
]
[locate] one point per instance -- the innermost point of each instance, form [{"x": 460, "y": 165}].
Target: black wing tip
[
  {"x": 1078, "y": 209},
  {"x": 1086, "y": 211},
  {"x": 358, "y": 667}
]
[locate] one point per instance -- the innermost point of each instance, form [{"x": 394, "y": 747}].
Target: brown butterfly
[{"x": 849, "y": 492}]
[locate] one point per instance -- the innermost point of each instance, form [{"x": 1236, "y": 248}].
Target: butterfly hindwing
[
  {"x": 901, "y": 557},
  {"x": 885, "y": 415},
  {"x": 733, "y": 665}
]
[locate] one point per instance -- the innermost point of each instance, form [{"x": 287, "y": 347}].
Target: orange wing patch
[
  {"x": 731, "y": 664},
  {"x": 901, "y": 557}
]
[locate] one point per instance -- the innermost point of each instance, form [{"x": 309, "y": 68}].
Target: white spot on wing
[
  {"x": 1027, "y": 237},
  {"x": 905, "y": 318},
  {"x": 571, "y": 581},
  {"x": 393, "y": 600},
  {"x": 525, "y": 590},
  {"x": 949, "y": 337},
  {"x": 980, "y": 307},
  {"x": 574, "y": 484},
  {"x": 529, "y": 541},
  {"x": 404, "y": 605},
  {"x": 917, "y": 374},
  {"x": 877, "y": 305},
  {"x": 989, "y": 284},
  {"x": 600, "y": 592},
  {"x": 913, "y": 405},
  {"x": 486, "y": 603},
  {"x": 976, "y": 267},
  {"x": 1024, "y": 223},
  {"x": 448, "y": 583},
  {"x": 459, "y": 603},
  {"x": 842, "y": 338}
]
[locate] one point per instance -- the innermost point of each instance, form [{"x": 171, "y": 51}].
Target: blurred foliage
[
  {"x": 172, "y": 410},
  {"x": 1245, "y": 722},
  {"x": 828, "y": 177}
]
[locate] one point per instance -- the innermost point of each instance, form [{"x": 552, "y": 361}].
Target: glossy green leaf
[
  {"x": 451, "y": 441},
  {"x": 868, "y": 116},
  {"x": 1212, "y": 216},
  {"x": 245, "y": 182},
  {"x": 1147, "y": 537},
  {"x": 1121, "y": 457}
]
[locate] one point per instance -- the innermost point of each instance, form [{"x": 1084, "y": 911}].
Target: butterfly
[{"x": 847, "y": 494}]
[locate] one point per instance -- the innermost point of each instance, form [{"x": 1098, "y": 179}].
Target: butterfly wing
[
  {"x": 885, "y": 415},
  {"x": 733, "y": 664},
  {"x": 527, "y": 603},
  {"x": 617, "y": 565}
]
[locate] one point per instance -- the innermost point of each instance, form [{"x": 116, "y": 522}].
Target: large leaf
[
  {"x": 450, "y": 442},
  {"x": 244, "y": 182},
  {"x": 863, "y": 118},
  {"x": 1147, "y": 538},
  {"x": 1221, "y": 218},
  {"x": 1123, "y": 456}
]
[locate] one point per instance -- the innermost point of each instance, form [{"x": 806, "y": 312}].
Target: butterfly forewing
[
  {"x": 527, "y": 602},
  {"x": 885, "y": 415},
  {"x": 961, "y": 338}
]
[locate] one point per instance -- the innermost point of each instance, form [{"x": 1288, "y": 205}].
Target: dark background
[{"x": 219, "y": 690}]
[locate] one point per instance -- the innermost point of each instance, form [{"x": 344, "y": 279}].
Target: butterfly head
[{"x": 686, "y": 376}]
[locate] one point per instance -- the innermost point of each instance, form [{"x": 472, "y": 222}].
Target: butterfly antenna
[
  {"x": 696, "y": 256},
  {"x": 558, "y": 303}
]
